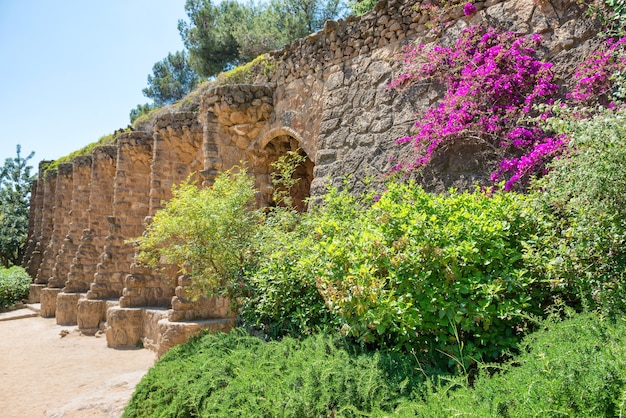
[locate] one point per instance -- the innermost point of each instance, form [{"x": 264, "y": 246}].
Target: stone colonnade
[
  {"x": 85, "y": 213},
  {"x": 325, "y": 94}
]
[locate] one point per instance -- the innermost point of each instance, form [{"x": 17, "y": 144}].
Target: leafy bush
[
  {"x": 576, "y": 367},
  {"x": 14, "y": 286},
  {"x": 205, "y": 233},
  {"x": 239, "y": 375},
  {"x": 281, "y": 296},
  {"x": 573, "y": 368},
  {"x": 585, "y": 190},
  {"x": 444, "y": 275}
]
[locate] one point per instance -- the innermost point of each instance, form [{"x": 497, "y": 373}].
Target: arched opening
[{"x": 278, "y": 146}]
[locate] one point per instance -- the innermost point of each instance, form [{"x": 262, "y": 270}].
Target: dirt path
[{"x": 45, "y": 374}]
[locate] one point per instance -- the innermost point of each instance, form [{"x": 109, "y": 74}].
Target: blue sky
[{"x": 71, "y": 70}]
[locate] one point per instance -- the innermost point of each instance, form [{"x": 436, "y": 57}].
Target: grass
[{"x": 86, "y": 150}]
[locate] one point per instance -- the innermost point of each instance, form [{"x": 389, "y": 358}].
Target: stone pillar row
[{"x": 84, "y": 215}]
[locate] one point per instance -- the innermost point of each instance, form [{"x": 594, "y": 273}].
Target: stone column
[
  {"x": 177, "y": 154},
  {"x": 60, "y": 222},
  {"x": 67, "y": 300},
  {"x": 30, "y": 237},
  {"x": 92, "y": 310},
  {"x": 32, "y": 260},
  {"x": 131, "y": 203},
  {"x": 47, "y": 225}
]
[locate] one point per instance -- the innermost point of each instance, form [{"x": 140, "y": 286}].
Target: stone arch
[{"x": 275, "y": 144}]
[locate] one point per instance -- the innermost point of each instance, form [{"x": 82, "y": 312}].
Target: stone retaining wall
[{"x": 325, "y": 95}]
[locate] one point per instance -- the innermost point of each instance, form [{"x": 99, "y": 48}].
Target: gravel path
[{"x": 48, "y": 370}]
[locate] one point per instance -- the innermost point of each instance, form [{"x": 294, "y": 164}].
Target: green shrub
[
  {"x": 281, "y": 296},
  {"x": 585, "y": 191},
  {"x": 14, "y": 286},
  {"x": 441, "y": 274},
  {"x": 576, "y": 367},
  {"x": 573, "y": 368},
  {"x": 205, "y": 233},
  {"x": 237, "y": 375}
]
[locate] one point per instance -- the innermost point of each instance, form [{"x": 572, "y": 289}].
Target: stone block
[
  {"x": 124, "y": 327},
  {"x": 48, "y": 300},
  {"x": 67, "y": 307},
  {"x": 34, "y": 296},
  {"x": 90, "y": 315},
  {"x": 174, "y": 333}
]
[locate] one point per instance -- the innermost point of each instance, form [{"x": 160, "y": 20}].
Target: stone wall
[{"x": 325, "y": 95}]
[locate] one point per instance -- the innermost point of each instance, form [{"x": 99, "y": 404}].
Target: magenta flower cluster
[
  {"x": 492, "y": 80},
  {"x": 595, "y": 76},
  {"x": 469, "y": 9}
]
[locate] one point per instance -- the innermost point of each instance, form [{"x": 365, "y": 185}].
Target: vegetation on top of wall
[
  {"x": 86, "y": 150},
  {"x": 247, "y": 73}
]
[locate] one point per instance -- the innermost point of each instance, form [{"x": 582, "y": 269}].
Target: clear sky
[{"x": 71, "y": 70}]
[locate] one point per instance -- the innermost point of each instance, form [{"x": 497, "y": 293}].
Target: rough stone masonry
[{"x": 326, "y": 95}]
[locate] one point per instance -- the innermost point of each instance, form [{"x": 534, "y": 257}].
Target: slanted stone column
[
  {"x": 47, "y": 226},
  {"x": 42, "y": 227},
  {"x": 178, "y": 140},
  {"x": 76, "y": 281},
  {"x": 178, "y": 153},
  {"x": 30, "y": 237},
  {"x": 60, "y": 221},
  {"x": 235, "y": 119},
  {"x": 67, "y": 300},
  {"x": 92, "y": 310},
  {"x": 131, "y": 203},
  {"x": 33, "y": 259}
]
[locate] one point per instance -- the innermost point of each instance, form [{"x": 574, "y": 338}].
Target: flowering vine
[
  {"x": 492, "y": 81},
  {"x": 601, "y": 78}
]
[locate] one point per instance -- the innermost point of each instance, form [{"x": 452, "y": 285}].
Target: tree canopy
[
  {"x": 172, "y": 78},
  {"x": 15, "y": 186},
  {"x": 220, "y": 36}
]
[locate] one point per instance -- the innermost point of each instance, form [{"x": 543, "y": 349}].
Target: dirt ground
[{"x": 44, "y": 373}]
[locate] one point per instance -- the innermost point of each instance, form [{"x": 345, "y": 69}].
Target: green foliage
[
  {"x": 206, "y": 233},
  {"x": 283, "y": 179},
  {"x": 281, "y": 296},
  {"x": 86, "y": 150},
  {"x": 611, "y": 13},
  {"x": 172, "y": 78},
  {"x": 359, "y": 7},
  {"x": 246, "y": 73},
  {"x": 14, "y": 285},
  {"x": 140, "y": 110},
  {"x": 585, "y": 190},
  {"x": 239, "y": 375},
  {"x": 574, "y": 368},
  {"x": 208, "y": 35},
  {"x": 222, "y": 36},
  {"x": 441, "y": 274},
  {"x": 15, "y": 185}
]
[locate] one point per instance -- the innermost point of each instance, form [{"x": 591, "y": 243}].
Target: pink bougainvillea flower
[{"x": 469, "y": 9}]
